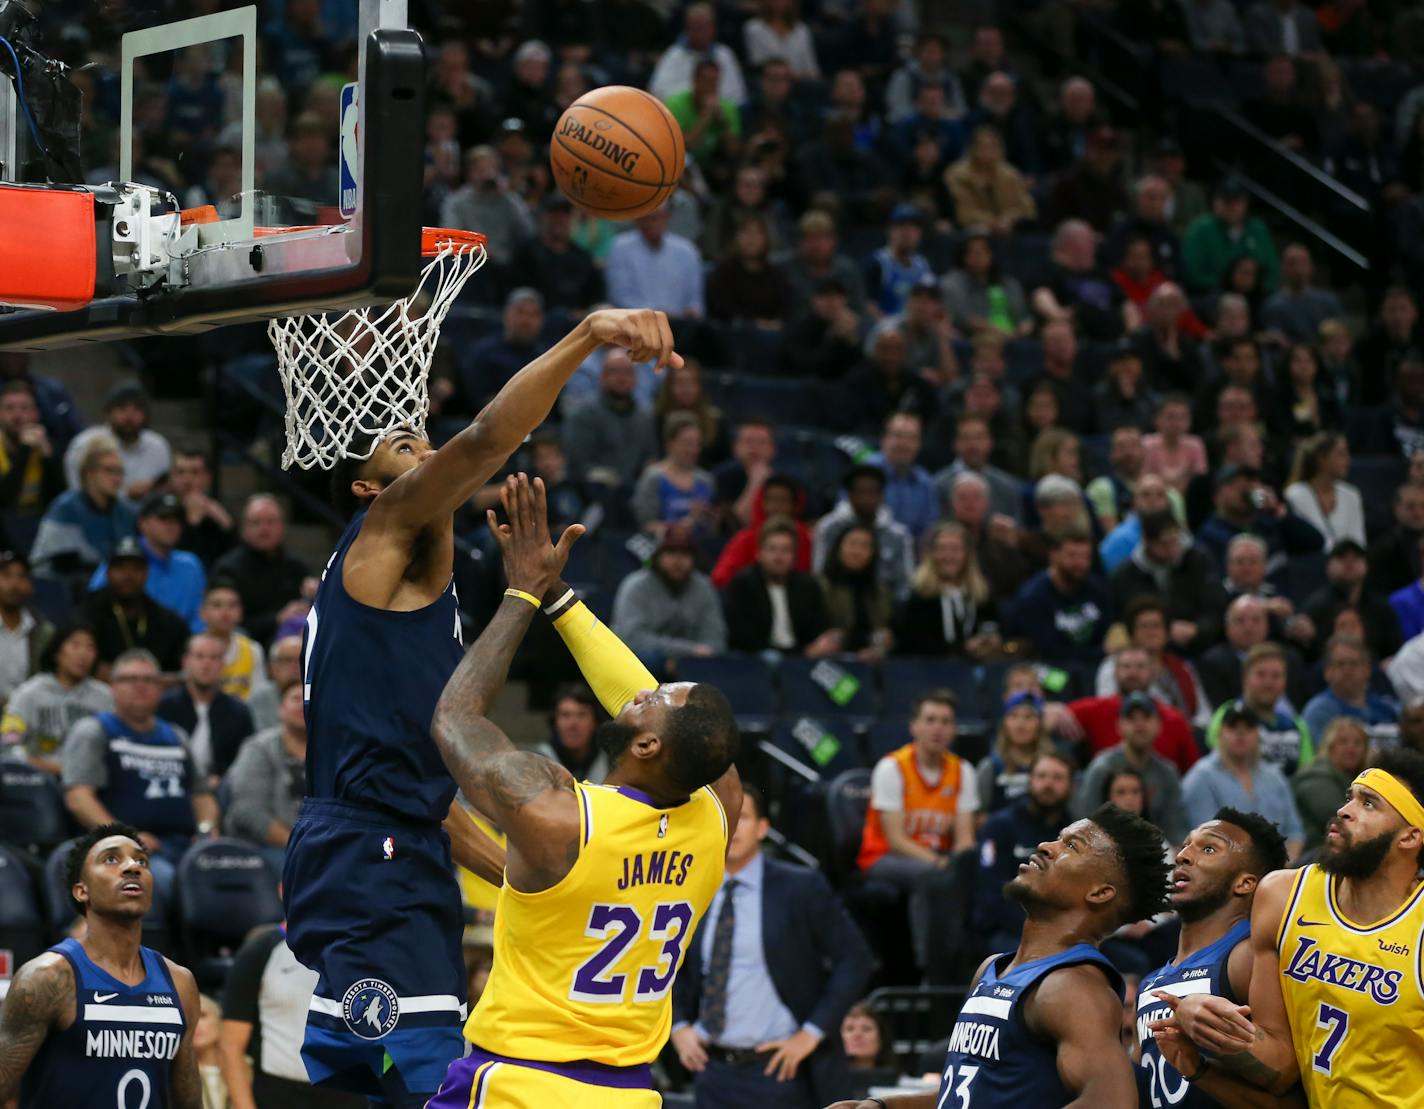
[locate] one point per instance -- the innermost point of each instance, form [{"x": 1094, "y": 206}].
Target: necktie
[{"x": 714, "y": 983}]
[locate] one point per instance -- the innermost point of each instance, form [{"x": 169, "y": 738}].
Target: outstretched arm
[
  {"x": 442, "y": 484},
  {"x": 529, "y": 796},
  {"x": 39, "y": 996}
]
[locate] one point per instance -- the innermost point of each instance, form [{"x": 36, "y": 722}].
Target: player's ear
[
  {"x": 1411, "y": 840},
  {"x": 1245, "y": 884},
  {"x": 1102, "y": 894},
  {"x": 646, "y": 745}
]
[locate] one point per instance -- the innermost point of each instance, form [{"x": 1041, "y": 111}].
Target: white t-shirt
[
  {"x": 783, "y": 635},
  {"x": 887, "y": 787}
]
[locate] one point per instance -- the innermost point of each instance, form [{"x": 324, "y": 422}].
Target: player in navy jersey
[
  {"x": 102, "y": 1020},
  {"x": 1214, "y": 880},
  {"x": 1041, "y": 1024},
  {"x": 372, "y": 903}
]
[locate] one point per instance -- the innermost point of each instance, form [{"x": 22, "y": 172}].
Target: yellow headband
[{"x": 1395, "y": 792}]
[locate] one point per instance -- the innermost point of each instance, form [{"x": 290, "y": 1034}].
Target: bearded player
[
  {"x": 102, "y": 1020},
  {"x": 1336, "y": 996},
  {"x": 1041, "y": 1024},
  {"x": 605, "y": 884},
  {"x": 372, "y": 903},
  {"x": 1215, "y": 877}
]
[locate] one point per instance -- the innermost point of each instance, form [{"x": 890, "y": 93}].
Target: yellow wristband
[{"x": 523, "y": 596}]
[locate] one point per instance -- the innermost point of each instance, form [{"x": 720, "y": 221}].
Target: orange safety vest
[{"x": 929, "y": 808}]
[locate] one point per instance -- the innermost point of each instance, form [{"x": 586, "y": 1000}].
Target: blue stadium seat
[
  {"x": 823, "y": 744},
  {"x": 1026, "y": 257},
  {"x": 1377, "y": 477},
  {"x": 1023, "y": 360},
  {"x": 1247, "y": 79},
  {"x": 23, "y": 929},
  {"x": 804, "y": 689},
  {"x": 847, "y": 798},
  {"x": 32, "y": 812},
  {"x": 224, "y": 890},
  {"x": 788, "y": 402},
  {"x": 20, "y": 529},
  {"x": 1304, "y": 575},
  {"x": 1192, "y": 79},
  {"x": 754, "y": 350},
  {"x": 51, "y": 599},
  {"x": 858, "y": 241},
  {"x": 904, "y": 679},
  {"x": 885, "y": 735},
  {"x": 746, "y": 682},
  {"x": 941, "y": 250}
]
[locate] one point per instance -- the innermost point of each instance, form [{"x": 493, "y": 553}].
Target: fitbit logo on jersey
[
  {"x": 622, "y": 157},
  {"x": 1336, "y": 970}
]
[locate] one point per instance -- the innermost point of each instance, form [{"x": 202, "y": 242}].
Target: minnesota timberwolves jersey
[
  {"x": 1160, "y": 1084},
  {"x": 994, "y": 1060},
  {"x": 119, "y": 1050},
  {"x": 372, "y": 678}
]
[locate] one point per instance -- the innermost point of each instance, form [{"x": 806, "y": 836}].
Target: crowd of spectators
[{"x": 1100, "y": 430}]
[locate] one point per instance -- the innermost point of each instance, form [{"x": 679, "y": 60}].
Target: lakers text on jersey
[{"x": 1354, "y": 998}]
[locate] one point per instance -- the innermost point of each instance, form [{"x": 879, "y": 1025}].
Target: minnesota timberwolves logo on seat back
[{"x": 370, "y": 1008}]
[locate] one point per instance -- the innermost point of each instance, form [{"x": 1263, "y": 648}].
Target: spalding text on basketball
[{"x": 626, "y": 159}]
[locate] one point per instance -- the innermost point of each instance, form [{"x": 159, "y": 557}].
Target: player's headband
[{"x": 1395, "y": 792}]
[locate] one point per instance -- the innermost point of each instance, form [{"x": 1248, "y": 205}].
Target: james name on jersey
[{"x": 668, "y": 868}]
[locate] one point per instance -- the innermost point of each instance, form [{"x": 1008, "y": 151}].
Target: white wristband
[{"x": 569, "y": 596}]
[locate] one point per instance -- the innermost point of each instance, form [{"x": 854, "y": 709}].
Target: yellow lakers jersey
[
  {"x": 239, "y": 672},
  {"x": 1354, "y": 996},
  {"x": 584, "y": 969}
]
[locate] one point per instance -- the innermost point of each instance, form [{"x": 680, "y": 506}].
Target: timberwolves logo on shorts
[{"x": 370, "y": 1008}]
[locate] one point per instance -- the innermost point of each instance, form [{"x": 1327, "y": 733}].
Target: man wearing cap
[
  {"x": 176, "y": 579},
  {"x": 1244, "y": 503},
  {"x": 555, "y": 265},
  {"x": 898, "y": 266},
  {"x": 1217, "y": 238},
  {"x": 926, "y": 327},
  {"x": 669, "y": 609},
  {"x": 146, "y": 455},
  {"x": 124, "y": 617},
  {"x": 1236, "y": 776},
  {"x": 1285, "y": 741},
  {"x": 1346, "y": 574},
  {"x": 1139, "y": 722},
  {"x": 1091, "y": 188},
  {"x": 1166, "y": 564}
]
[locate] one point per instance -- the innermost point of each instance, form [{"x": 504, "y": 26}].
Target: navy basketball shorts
[{"x": 373, "y": 907}]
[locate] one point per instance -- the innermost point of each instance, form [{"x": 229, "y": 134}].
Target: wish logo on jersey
[
  {"x": 370, "y": 1008},
  {"x": 1337, "y": 970}
]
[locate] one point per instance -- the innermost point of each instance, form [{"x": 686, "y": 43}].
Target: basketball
[{"x": 617, "y": 152}]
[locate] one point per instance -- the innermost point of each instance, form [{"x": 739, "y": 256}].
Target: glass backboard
[{"x": 253, "y": 120}]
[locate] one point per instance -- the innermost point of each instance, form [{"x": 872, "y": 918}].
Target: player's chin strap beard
[{"x": 1395, "y": 792}]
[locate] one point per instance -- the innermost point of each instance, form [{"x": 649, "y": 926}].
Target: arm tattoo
[
  {"x": 37, "y": 999},
  {"x": 1246, "y": 1066}
]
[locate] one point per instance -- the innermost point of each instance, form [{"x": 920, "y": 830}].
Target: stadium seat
[
  {"x": 1192, "y": 79},
  {"x": 32, "y": 812},
  {"x": 1023, "y": 360},
  {"x": 1304, "y": 575},
  {"x": 754, "y": 350},
  {"x": 825, "y": 745},
  {"x": 783, "y": 401},
  {"x": 23, "y": 930},
  {"x": 224, "y": 890},
  {"x": 51, "y": 599},
  {"x": 941, "y": 250},
  {"x": 886, "y": 735},
  {"x": 847, "y": 798},
  {"x": 810, "y": 686},
  {"x": 746, "y": 682},
  {"x": 904, "y": 679}
]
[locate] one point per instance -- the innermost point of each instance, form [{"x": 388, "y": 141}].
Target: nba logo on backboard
[
  {"x": 388, "y": 848},
  {"x": 350, "y": 115}
]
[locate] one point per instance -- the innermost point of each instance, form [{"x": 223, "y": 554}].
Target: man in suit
[
  {"x": 771, "y": 605},
  {"x": 772, "y": 969},
  {"x": 216, "y": 722}
]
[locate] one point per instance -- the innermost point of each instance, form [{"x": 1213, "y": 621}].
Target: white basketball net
[{"x": 355, "y": 376}]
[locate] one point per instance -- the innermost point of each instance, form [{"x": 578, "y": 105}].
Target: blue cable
[{"x": 20, "y": 90}]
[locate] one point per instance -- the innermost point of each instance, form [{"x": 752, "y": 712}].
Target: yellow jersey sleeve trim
[
  {"x": 1296, "y": 887},
  {"x": 611, "y": 669},
  {"x": 726, "y": 831},
  {"x": 1367, "y": 929}
]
